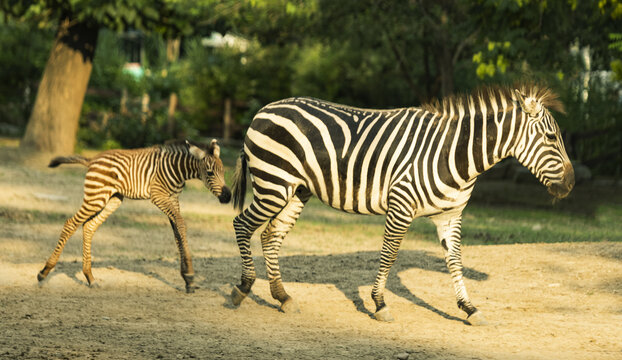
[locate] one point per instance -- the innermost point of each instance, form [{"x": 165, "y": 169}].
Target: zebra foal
[
  {"x": 157, "y": 173},
  {"x": 405, "y": 163}
]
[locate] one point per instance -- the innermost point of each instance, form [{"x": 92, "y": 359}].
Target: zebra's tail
[
  {"x": 75, "y": 159},
  {"x": 239, "y": 183}
]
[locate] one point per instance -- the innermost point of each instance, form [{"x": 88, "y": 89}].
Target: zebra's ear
[
  {"x": 214, "y": 149},
  {"x": 528, "y": 104},
  {"x": 196, "y": 151}
]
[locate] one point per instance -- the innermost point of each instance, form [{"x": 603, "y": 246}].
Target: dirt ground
[{"x": 543, "y": 301}]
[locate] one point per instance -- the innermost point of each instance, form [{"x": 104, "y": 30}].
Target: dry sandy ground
[{"x": 543, "y": 301}]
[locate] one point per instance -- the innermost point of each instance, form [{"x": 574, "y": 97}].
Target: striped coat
[
  {"x": 157, "y": 173},
  {"x": 404, "y": 163}
]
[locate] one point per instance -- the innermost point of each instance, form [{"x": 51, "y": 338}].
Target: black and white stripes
[
  {"x": 404, "y": 163},
  {"x": 157, "y": 173}
]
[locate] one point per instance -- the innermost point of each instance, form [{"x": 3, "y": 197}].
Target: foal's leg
[
  {"x": 86, "y": 211},
  {"x": 449, "y": 229},
  {"x": 271, "y": 240},
  {"x": 89, "y": 228},
  {"x": 170, "y": 206},
  {"x": 245, "y": 225}
]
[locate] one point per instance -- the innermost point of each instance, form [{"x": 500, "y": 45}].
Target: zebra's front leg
[
  {"x": 271, "y": 240},
  {"x": 449, "y": 232},
  {"x": 396, "y": 225},
  {"x": 170, "y": 206}
]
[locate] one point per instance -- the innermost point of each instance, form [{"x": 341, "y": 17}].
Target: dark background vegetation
[{"x": 368, "y": 53}]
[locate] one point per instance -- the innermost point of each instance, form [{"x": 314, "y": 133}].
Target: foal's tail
[
  {"x": 75, "y": 159},
  {"x": 239, "y": 182}
]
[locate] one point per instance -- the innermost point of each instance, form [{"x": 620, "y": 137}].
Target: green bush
[{"x": 21, "y": 70}]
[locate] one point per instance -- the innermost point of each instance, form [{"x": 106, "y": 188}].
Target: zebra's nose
[
  {"x": 569, "y": 176},
  {"x": 562, "y": 188},
  {"x": 225, "y": 195}
]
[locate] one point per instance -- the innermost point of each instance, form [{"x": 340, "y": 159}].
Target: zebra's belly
[
  {"x": 366, "y": 205},
  {"x": 134, "y": 194}
]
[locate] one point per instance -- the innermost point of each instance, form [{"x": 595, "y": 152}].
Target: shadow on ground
[{"x": 347, "y": 272}]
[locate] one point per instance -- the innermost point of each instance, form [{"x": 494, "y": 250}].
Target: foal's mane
[
  {"x": 178, "y": 146},
  {"x": 486, "y": 95}
]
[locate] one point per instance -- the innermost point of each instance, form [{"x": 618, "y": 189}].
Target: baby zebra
[{"x": 157, "y": 173}]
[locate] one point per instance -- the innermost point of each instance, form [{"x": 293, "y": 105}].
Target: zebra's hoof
[
  {"x": 477, "y": 319},
  {"x": 384, "y": 315},
  {"x": 290, "y": 306},
  {"x": 41, "y": 277},
  {"x": 237, "y": 296},
  {"x": 191, "y": 288},
  {"x": 94, "y": 285}
]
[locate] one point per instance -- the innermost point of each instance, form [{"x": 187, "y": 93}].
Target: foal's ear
[
  {"x": 214, "y": 149},
  {"x": 528, "y": 104},
  {"x": 196, "y": 151}
]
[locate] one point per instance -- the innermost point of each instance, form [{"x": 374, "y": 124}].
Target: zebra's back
[
  {"x": 127, "y": 172},
  {"x": 347, "y": 156}
]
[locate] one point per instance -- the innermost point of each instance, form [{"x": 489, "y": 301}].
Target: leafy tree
[
  {"x": 54, "y": 119},
  {"x": 21, "y": 70}
]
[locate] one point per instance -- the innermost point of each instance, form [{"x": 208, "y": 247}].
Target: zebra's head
[
  {"x": 540, "y": 147},
  {"x": 211, "y": 170}
]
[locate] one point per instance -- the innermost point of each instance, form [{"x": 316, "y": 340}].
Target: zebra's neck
[
  {"x": 192, "y": 165},
  {"x": 181, "y": 164},
  {"x": 483, "y": 134}
]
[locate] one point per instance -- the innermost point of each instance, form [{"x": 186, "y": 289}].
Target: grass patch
[{"x": 499, "y": 213}]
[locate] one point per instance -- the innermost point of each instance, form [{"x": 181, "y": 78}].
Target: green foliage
[
  {"x": 593, "y": 122},
  {"x": 20, "y": 70},
  {"x": 170, "y": 17},
  {"x": 362, "y": 52},
  {"x": 103, "y": 124},
  {"x": 209, "y": 75}
]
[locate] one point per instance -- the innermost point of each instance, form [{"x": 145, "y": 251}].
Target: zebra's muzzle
[
  {"x": 225, "y": 195},
  {"x": 561, "y": 189}
]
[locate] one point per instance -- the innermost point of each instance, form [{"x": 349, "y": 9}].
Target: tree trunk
[
  {"x": 54, "y": 119},
  {"x": 172, "y": 106},
  {"x": 144, "y": 108},
  {"x": 227, "y": 121},
  {"x": 446, "y": 68},
  {"x": 172, "y": 54}
]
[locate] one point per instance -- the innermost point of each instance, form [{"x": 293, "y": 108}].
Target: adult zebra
[
  {"x": 157, "y": 173},
  {"x": 404, "y": 163}
]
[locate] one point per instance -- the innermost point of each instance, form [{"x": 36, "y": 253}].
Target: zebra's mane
[
  {"x": 486, "y": 95},
  {"x": 177, "y": 146}
]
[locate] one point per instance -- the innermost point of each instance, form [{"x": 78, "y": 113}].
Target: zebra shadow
[{"x": 347, "y": 272}]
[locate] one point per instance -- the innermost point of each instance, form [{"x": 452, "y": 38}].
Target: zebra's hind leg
[
  {"x": 449, "y": 229},
  {"x": 245, "y": 225},
  {"x": 271, "y": 240},
  {"x": 86, "y": 211},
  {"x": 89, "y": 228},
  {"x": 170, "y": 206},
  {"x": 397, "y": 223}
]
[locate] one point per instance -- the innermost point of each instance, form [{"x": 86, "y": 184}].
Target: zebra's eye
[
  {"x": 210, "y": 173},
  {"x": 551, "y": 136}
]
